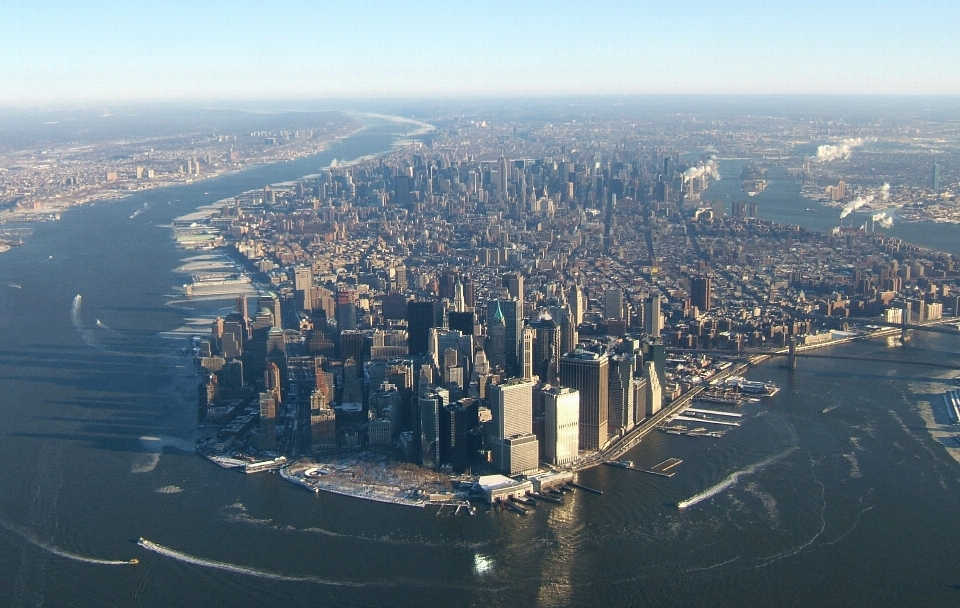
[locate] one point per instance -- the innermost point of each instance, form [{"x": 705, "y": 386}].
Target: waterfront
[{"x": 833, "y": 492}]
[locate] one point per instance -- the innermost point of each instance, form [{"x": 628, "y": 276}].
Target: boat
[
  {"x": 547, "y": 498},
  {"x": 623, "y": 464},
  {"x": 134, "y": 560},
  {"x": 523, "y": 500},
  {"x": 14, "y": 285}
]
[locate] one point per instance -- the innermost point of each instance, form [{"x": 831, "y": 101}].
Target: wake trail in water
[
  {"x": 33, "y": 540},
  {"x": 75, "y": 313},
  {"x": 228, "y": 567},
  {"x": 733, "y": 478}
]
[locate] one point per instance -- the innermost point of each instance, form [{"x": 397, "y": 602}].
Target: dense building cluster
[{"x": 475, "y": 311}]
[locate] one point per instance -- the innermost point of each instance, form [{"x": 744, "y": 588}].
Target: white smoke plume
[
  {"x": 882, "y": 219},
  {"x": 709, "y": 169},
  {"x": 841, "y": 151},
  {"x": 885, "y": 192},
  {"x": 855, "y": 204}
]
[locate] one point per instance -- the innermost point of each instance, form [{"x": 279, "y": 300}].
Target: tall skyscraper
[
  {"x": 621, "y": 394},
  {"x": 587, "y": 372},
  {"x": 577, "y": 304},
  {"x": 515, "y": 448},
  {"x": 346, "y": 312},
  {"x": 526, "y": 353},
  {"x": 303, "y": 286},
  {"x": 547, "y": 349},
  {"x": 701, "y": 292},
  {"x": 496, "y": 329},
  {"x": 652, "y": 320},
  {"x": 654, "y": 391},
  {"x": 514, "y": 283},
  {"x": 421, "y": 316},
  {"x": 613, "y": 303},
  {"x": 561, "y": 425}
]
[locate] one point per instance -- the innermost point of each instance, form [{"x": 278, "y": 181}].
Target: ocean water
[{"x": 841, "y": 490}]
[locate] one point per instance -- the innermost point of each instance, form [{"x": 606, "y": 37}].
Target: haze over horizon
[{"x": 62, "y": 54}]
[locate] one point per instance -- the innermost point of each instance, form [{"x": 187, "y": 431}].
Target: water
[
  {"x": 781, "y": 201},
  {"x": 832, "y": 493}
]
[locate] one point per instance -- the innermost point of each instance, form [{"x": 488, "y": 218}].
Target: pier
[
  {"x": 707, "y": 420},
  {"x": 714, "y": 412}
]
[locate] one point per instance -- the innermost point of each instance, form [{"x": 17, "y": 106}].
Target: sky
[{"x": 68, "y": 53}]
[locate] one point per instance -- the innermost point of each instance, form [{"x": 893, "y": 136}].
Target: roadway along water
[{"x": 832, "y": 493}]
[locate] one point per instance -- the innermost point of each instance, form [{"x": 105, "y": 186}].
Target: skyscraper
[
  {"x": 621, "y": 393},
  {"x": 652, "y": 321},
  {"x": 546, "y": 351},
  {"x": 514, "y": 283},
  {"x": 526, "y": 353},
  {"x": 496, "y": 329},
  {"x": 346, "y": 312},
  {"x": 587, "y": 373},
  {"x": 701, "y": 292},
  {"x": 515, "y": 448},
  {"x": 613, "y": 303},
  {"x": 421, "y": 316},
  {"x": 562, "y": 425},
  {"x": 303, "y": 286}
]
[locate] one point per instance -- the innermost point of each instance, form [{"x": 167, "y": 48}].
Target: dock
[
  {"x": 714, "y": 412},
  {"x": 584, "y": 488},
  {"x": 692, "y": 419},
  {"x": 661, "y": 470}
]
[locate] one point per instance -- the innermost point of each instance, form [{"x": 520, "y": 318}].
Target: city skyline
[{"x": 90, "y": 53}]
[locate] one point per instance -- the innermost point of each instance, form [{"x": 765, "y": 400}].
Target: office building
[
  {"x": 561, "y": 425},
  {"x": 701, "y": 292},
  {"x": 587, "y": 372}
]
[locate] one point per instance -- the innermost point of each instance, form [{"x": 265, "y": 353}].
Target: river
[{"x": 838, "y": 491}]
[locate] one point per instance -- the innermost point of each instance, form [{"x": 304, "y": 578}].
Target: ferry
[{"x": 134, "y": 560}]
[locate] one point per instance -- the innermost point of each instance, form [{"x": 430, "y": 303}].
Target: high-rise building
[
  {"x": 271, "y": 302},
  {"x": 526, "y": 353},
  {"x": 346, "y": 312},
  {"x": 267, "y": 437},
  {"x": 654, "y": 390},
  {"x": 613, "y": 303},
  {"x": 577, "y": 304},
  {"x": 421, "y": 316},
  {"x": 514, "y": 283},
  {"x": 587, "y": 372},
  {"x": 303, "y": 286},
  {"x": 496, "y": 329},
  {"x": 511, "y": 312},
  {"x": 621, "y": 394},
  {"x": 547, "y": 349},
  {"x": 701, "y": 292},
  {"x": 561, "y": 425},
  {"x": 515, "y": 448},
  {"x": 652, "y": 319},
  {"x": 427, "y": 424}
]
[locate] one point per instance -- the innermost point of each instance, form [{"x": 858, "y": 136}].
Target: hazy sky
[{"x": 69, "y": 52}]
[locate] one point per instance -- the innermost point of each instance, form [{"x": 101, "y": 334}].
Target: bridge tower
[
  {"x": 792, "y": 354},
  {"x": 904, "y": 321}
]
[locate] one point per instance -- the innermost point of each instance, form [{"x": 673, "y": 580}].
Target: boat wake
[
  {"x": 33, "y": 540},
  {"x": 228, "y": 567},
  {"x": 733, "y": 478}
]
